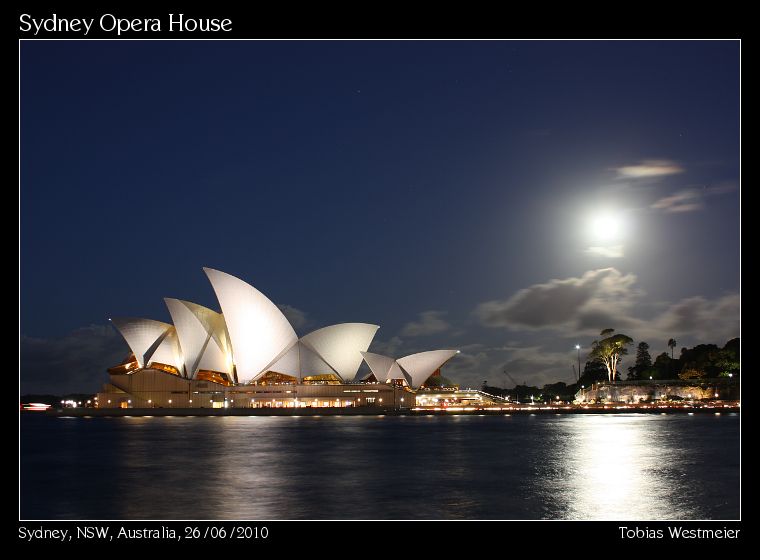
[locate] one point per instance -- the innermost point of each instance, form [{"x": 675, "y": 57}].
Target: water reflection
[
  {"x": 460, "y": 467},
  {"x": 615, "y": 467},
  {"x": 640, "y": 467}
]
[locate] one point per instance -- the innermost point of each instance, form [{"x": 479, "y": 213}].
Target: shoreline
[{"x": 374, "y": 411}]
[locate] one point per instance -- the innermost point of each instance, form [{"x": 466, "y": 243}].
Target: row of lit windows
[{"x": 261, "y": 403}]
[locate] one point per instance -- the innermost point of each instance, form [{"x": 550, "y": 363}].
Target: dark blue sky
[{"x": 447, "y": 191}]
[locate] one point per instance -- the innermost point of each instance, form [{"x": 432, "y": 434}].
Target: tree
[
  {"x": 701, "y": 358},
  {"x": 609, "y": 350},
  {"x": 593, "y": 371},
  {"x": 672, "y": 345},
  {"x": 523, "y": 392},
  {"x": 441, "y": 381},
  {"x": 559, "y": 389},
  {"x": 643, "y": 360},
  {"x": 728, "y": 359},
  {"x": 662, "y": 366},
  {"x": 732, "y": 347},
  {"x": 689, "y": 373}
]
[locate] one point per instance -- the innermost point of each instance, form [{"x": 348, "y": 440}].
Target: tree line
[{"x": 704, "y": 361}]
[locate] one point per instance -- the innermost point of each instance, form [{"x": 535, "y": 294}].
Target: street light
[{"x": 578, "y": 348}]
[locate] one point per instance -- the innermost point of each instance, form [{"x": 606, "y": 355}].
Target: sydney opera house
[{"x": 249, "y": 356}]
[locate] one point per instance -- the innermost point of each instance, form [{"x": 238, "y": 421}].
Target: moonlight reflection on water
[{"x": 621, "y": 466}]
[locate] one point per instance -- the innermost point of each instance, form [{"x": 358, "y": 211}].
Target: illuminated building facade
[{"x": 249, "y": 356}]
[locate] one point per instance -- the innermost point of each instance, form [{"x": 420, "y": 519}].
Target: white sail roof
[
  {"x": 142, "y": 335},
  {"x": 168, "y": 351},
  {"x": 397, "y": 373},
  {"x": 213, "y": 323},
  {"x": 421, "y": 366},
  {"x": 341, "y": 346},
  {"x": 415, "y": 368},
  {"x": 379, "y": 364},
  {"x": 300, "y": 361},
  {"x": 258, "y": 330},
  {"x": 200, "y": 336},
  {"x": 252, "y": 336},
  {"x": 312, "y": 363},
  {"x": 287, "y": 364}
]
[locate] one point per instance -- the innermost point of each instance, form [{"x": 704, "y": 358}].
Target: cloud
[
  {"x": 468, "y": 368},
  {"x": 577, "y": 308},
  {"x": 533, "y": 365},
  {"x": 429, "y": 322},
  {"x": 76, "y": 362},
  {"x": 297, "y": 318},
  {"x": 610, "y": 251},
  {"x": 537, "y": 366},
  {"x": 691, "y": 321},
  {"x": 691, "y": 200},
  {"x": 649, "y": 168},
  {"x": 390, "y": 347},
  {"x": 706, "y": 320},
  {"x": 568, "y": 304},
  {"x": 721, "y": 188},
  {"x": 471, "y": 347}
]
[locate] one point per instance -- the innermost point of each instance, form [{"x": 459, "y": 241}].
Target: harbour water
[{"x": 570, "y": 466}]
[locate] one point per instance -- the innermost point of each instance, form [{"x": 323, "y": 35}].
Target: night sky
[{"x": 510, "y": 199}]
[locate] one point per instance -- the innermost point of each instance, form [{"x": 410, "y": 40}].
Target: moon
[{"x": 606, "y": 226}]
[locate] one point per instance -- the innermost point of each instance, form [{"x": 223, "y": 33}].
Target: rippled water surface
[{"x": 348, "y": 467}]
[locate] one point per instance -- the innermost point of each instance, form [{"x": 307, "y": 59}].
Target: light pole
[{"x": 578, "y": 348}]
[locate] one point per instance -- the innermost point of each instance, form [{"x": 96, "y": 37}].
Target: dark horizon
[{"x": 506, "y": 198}]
